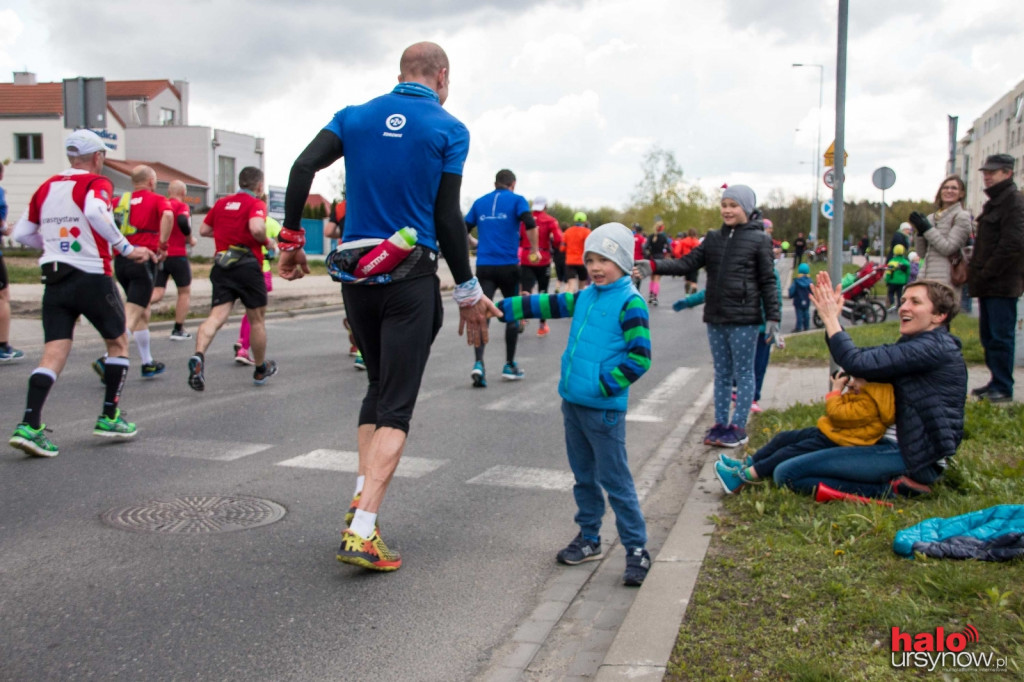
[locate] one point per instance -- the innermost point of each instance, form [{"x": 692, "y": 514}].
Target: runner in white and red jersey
[
  {"x": 70, "y": 219},
  {"x": 176, "y": 265},
  {"x": 538, "y": 272},
  {"x": 150, "y": 221},
  {"x": 237, "y": 224}
]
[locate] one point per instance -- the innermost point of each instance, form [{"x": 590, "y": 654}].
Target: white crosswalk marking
[
  {"x": 539, "y": 400},
  {"x": 345, "y": 460},
  {"x": 653, "y": 402},
  {"x": 212, "y": 450},
  {"x": 506, "y": 476}
]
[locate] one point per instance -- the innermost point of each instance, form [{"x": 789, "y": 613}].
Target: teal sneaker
[
  {"x": 33, "y": 441},
  {"x": 114, "y": 428},
  {"x": 99, "y": 365},
  {"x": 478, "y": 375},
  {"x": 9, "y": 354},
  {"x": 735, "y": 463}
]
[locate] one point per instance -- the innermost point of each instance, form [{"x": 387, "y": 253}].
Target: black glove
[{"x": 920, "y": 223}]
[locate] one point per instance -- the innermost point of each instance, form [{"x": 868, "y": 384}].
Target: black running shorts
[
  {"x": 177, "y": 268},
  {"x": 504, "y": 278},
  {"x": 394, "y": 326},
  {"x": 136, "y": 279},
  {"x": 244, "y": 282},
  {"x": 4, "y": 280},
  {"x": 577, "y": 272},
  {"x": 535, "y": 275},
  {"x": 81, "y": 294}
]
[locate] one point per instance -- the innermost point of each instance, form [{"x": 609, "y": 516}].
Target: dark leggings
[
  {"x": 506, "y": 279},
  {"x": 787, "y": 445},
  {"x": 394, "y": 326}
]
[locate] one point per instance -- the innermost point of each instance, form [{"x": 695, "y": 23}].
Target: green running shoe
[
  {"x": 33, "y": 441},
  {"x": 114, "y": 428}
]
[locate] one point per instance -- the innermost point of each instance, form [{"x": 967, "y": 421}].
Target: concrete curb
[{"x": 644, "y": 643}]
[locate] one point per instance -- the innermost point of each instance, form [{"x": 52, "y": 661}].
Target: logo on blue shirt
[{"x": 395, "y": 122}]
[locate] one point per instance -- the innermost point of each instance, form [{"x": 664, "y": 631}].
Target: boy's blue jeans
[
  {"x": 595, "y": 441},
  {"x": 803, "y": 318}
]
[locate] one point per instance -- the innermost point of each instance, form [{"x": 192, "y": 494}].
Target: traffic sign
[
  {"x": 827, "y": 209},
  {"x": 830, "y": 155},
  {"x": 830, "y": 178},
  {"x": 883, "y": 178}
]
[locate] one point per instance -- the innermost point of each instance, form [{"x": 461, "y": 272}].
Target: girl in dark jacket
[
  {"x": 929, "y": 379},
  {"x": 741, "y": 283}
]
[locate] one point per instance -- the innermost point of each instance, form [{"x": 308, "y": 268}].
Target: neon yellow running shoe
[{"x": 369, "y": 553}]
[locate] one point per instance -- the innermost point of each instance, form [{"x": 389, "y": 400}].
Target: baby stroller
[
  {"x": 818, "y": 254},
  {"x": 858, "y": 306}
]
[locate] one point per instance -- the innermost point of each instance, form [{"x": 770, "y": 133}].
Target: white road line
[
  {"x": 506, "y": 476},
  {"x": 540, "y": 400},
  {"x": 653, "y": 402},
  {"x": 217, "y": 451},
  {"x": 348, "y": 461}
]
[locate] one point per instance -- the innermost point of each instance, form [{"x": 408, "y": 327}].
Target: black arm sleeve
[
  {"x": 184, "y": 225},
  {"x": 451, "y": 228},
  {"x": 324, "y": 150},
  {"x": 527, "y": 219}
]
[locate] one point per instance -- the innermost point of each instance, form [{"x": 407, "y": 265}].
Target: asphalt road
[{"x": 479, "y": 507}]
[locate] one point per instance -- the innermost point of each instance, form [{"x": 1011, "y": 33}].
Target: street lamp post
[{"x": 817, "y": 149}]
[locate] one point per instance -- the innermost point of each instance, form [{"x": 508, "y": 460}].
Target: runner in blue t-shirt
[
  {"x": 403, "y": 166},
  {"x": 496, "y": 217}
]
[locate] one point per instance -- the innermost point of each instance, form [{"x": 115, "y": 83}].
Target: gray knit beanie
[
  {"x": 742, "y": 195},
  {"x": 614, "y": 241}
]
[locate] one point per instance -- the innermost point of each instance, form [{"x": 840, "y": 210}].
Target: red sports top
[
  {"x": 229, "y": 219},
  {"x": 548, "y": 237},
  {"x": 176, "y": 244},
  {"x": 146, "y": 210},
  {"x": 639, "y": 239}
]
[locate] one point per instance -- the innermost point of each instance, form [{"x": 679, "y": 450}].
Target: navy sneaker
[
  {"x": 638, "y": 562},
  {"x": 264, "y": 372},
  {"x": 733, "y": 437},
  {"x": 714, "y": 435},
  {"x": 580, "y": 550}
]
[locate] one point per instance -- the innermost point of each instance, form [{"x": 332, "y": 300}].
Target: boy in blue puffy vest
[
  {"x": 800, "y": 293},
  {"x": 609, "y": 348}
]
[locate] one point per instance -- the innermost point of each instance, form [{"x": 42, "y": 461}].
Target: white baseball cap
[
  {"x": 539, "y": 204},
  {"x": 83, "y": 142}
]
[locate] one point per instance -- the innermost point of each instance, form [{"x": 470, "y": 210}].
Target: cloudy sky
[{"x": 569, "y": 94}]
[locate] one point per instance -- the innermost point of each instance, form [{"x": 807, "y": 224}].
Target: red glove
[{"x": 291, "y": 240}]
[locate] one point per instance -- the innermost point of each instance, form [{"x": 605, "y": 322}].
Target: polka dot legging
[{"x": 732, "y": 350}]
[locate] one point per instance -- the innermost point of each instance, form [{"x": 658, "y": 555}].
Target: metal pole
[
  {"x": 817, "y": 155},
  {"x": 835, "y": 246},
  {"x": 881, "y": 237}
]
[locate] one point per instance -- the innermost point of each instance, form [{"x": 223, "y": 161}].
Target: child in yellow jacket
[{"x": 857, "y": 412}]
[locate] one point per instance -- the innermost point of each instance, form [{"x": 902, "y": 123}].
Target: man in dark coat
[{"x": 996, "y": 274}]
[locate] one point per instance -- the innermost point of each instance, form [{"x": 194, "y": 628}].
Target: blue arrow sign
[{"x": 827, "y": 209}]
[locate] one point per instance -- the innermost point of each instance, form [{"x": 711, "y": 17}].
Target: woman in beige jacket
[{"x": 951, "y": 229}]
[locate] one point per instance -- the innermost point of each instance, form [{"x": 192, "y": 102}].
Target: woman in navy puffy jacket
[{"x": 929, "y": 379}]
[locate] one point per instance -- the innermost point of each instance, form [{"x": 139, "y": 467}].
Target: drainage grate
[{"x": 195, "y": 514}]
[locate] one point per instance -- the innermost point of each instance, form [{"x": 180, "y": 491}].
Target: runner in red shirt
[
  {"x": 149, "y": 224},
  {"x": 70, "y": 219},
  {"x": 237, "y": 224},
  {"x": 538, "y": 273},
  {"x": 177, "y": 265}
]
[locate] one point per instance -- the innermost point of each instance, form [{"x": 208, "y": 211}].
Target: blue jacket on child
[{"x": 800, "y": 292}]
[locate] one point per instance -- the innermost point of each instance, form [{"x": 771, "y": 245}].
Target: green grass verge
[{"x": 795, "y": 590}]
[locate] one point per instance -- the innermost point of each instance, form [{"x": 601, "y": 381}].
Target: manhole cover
[{"x": 195, "y": 514}]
